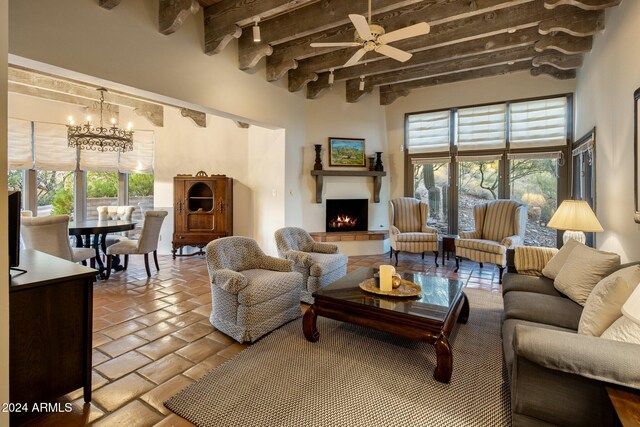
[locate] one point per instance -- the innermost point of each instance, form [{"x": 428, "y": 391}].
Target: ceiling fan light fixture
[
  {"x": 256, "y": 31},
  {"x": 361, "y": 87}
]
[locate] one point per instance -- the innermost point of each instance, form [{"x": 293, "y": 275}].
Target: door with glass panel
[{"x": 431, "y": 185}]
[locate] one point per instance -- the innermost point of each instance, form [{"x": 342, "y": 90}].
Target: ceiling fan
[{"x": 370, "y": 37}]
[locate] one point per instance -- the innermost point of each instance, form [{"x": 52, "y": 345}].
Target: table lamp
[
  {"x": 631, "y": 308},
  {"x": 575, "y": 217}
]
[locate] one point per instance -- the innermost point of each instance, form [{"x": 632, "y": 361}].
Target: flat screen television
[{"x": 14, "y": 228}]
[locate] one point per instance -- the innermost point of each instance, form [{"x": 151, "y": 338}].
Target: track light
[
  {"x": 361, "y": 83},
  {"x": 331, "y": 76},
  {"x": 256, "y": 31}
]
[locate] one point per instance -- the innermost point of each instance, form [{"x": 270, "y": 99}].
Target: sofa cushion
[
  {"x": 584, "y": 268},
  {"x": 508, "y": 330},
  {"x": 539, "y": 308},
  {"x": 481, "y": 245},
  {"x": 623, "y": 329},
  {"x": 513, "y": 282},
  {"x": 604, "y": 305},
  {"x": 264, "y": 285},
  {"x": 416, "y": 237},
  {"x": 326, "y": 263},
  {"x": 556, "y": 262}
]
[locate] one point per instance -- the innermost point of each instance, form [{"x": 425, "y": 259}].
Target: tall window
[
  {"x": 140, "y": 194},
  {"x": 477, "y": 183},
  {"x": 431, "y": 185},
  {"x": 514, "y": 149},
  {"x": 43, "y": 148}
]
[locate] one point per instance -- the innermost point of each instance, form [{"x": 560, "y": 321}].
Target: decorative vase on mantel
[
  {"x": 317, "y": 166},
  {"x": 372, "y": 163},
  {"x": 379, "y": 167}
]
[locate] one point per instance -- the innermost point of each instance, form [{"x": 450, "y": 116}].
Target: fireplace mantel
[{"x": 320, "y": 174}]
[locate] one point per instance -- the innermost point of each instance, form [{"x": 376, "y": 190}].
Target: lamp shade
[
  {"x": 575, "y": 215},
  {"x": 631, "y": 308}
]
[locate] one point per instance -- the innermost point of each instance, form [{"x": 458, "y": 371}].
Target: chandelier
[{"x": 99, "y": 138}]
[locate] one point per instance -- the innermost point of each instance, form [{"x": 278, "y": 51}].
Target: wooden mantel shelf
[{"x": 320, "y": 174}]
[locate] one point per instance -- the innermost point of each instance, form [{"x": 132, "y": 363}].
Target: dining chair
[
  {"x": 50, "y": 234},
  {"x": 146, "y": 244},
  {"x": 115, "y": 213}
]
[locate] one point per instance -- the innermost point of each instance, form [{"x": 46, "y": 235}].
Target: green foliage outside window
[{"x": 140, "y": 185}]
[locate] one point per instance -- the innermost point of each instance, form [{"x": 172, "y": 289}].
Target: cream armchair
[
  {"x": 499, "y": 225},
  {"x": 50, "y": 234},
  {"x": 115, "y": 213},
  {"x": 319, "y": 263},
  {"x": 409, "y": 231},
  {"x": 147, "y": 243}
]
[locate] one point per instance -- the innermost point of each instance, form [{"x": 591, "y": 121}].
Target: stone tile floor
[{"x": 152, "y": 337}]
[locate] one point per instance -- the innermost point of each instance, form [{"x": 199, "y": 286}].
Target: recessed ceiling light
[
  {"x": 510, "y": 63},
  {"x": 511, "y": 30}
]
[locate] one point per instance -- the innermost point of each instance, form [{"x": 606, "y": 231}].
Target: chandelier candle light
[{"x": 88, "y": 137}]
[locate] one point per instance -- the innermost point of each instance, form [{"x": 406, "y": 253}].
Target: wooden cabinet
[
  {"x": 50, "y": 312},
  {"x": 203, "y": 210}
]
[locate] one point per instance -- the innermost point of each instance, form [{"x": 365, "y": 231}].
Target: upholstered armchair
[
  {"x": 319, "y": 263},
  {"x": 251, "y": 292},
  {"x": 146, "y": 244},
  {"x": 50, "y": 234},
  {"x": 409, "y": 231},
  {"x": 499, "y": 225}
]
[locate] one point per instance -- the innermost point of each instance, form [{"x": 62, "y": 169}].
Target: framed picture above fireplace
[{"x": 346, "y": 152}]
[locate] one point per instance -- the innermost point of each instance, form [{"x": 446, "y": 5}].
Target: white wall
[
  {"x": 605, "y": 86},
  {"x": 330, "y": 116},
  {"x": 491, "y": 89},
  {"x": 266, "y": 176}
]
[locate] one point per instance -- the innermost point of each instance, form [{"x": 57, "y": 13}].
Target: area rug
[{"x": 354, "y": 376}]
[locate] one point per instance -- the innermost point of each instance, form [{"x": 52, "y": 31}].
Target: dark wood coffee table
[{"x": 429, "y": 317}]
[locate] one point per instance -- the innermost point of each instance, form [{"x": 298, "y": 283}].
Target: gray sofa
[{"x": 558, "y": 377}]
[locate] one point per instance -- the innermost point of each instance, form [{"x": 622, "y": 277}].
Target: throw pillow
[
  {"x": 582, "y": 272},
  {"x": 623, "y": 329},
  {"x": 552, "y": 268},
  {"x": 604, "y": 305}
]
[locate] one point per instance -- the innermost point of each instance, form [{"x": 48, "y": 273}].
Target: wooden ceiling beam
[
  {"x": 443, "y": 17},
  {"x": 558, "y": 60},
  {"x": 172, "y": 14},
  {"x": 523, "y": 16},
  {"x": 59, "y": 97},
  {"x": 109, "y": 4},
  {"x": 389, "y": 93},
  {"x": 477, "y": 62},
  {"x": 326, "y": 15},
  {"x": 489, "y": 44},
  {"x": 152, "y": 112},
  {"x": 223, "y": 21},
  {"x": 564, "y": 43},
  {"x": 581, "y": 24},
  {"x": 553, "y": 72},
  {"x": 582, "y": 4}
]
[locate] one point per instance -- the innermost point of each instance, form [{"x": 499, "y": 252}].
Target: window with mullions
[{"x": 504, "y": 150}]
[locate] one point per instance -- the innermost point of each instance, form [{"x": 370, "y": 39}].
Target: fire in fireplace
[{"x": 347, "y": 215}]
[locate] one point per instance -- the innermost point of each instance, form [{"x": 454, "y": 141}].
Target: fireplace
[{"x": 347, "y": 215}]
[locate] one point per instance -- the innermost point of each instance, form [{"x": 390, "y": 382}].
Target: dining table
[{"x": 93, "y": 233}]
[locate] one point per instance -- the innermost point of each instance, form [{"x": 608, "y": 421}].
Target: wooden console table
[
  {"x": 320, "y": 174},
  {"x": 51, "y": 312}
]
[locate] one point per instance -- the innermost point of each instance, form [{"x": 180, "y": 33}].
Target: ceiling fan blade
[
  {"x": 404, "y": 33},
  {"x": 355, "y": 58},
  {"x": 339, "y": 44},
  {"x": 362, "y": 26},
  {"x": 394, "y": 53}
]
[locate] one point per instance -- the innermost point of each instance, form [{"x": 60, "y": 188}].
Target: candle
[{"x": 386, "y": 276}]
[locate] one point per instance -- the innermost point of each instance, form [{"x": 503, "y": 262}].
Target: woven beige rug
[{"x": 355, "y": 376}]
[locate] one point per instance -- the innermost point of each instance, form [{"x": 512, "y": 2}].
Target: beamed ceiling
[{"x": 468, "y": 39}]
